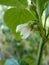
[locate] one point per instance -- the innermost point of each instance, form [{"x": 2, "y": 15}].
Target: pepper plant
[{"x": 25, "y": 15}]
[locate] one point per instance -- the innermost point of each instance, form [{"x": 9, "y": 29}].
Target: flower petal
[
  {"x": 24, "y": 30},
  {"x": 47, "y": 22},
  {"x": 21, "y": 26},
  {"x": 43, "y": 18}
]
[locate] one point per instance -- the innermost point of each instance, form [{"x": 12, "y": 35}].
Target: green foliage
[
  {"x": 16, "y": 3},
  {"x": 40, "y": 4},
  {"x": 29, "y": 61},
  {"x": 33, "y": 2}
]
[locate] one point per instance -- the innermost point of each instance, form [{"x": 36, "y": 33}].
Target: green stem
[
  {"x": 40, "y": 53},
  {"x": 42, "y": 33}
]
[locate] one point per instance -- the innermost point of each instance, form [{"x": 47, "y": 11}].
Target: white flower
[{"x": 24, "y": 30}]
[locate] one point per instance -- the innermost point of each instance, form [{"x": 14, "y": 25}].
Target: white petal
[
  {"x": 47, "y": 25},
  {"x": 25, "y": 36},
  {"x": 43, "y": 18},
  {"x": 21, "y": 26},
  {"x": 25, "y": 32},
  {"x": 47, "y": 22},
  {"x": 18, "y": 28}
]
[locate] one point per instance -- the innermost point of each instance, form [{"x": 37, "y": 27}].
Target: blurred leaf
[
  {"x": 2, "y": 62},
  {"x": 29, "y": 61},
  {"x": 14, "y": 3},
  {"x": 33, "y": 2},
  {"x": 23, "y": 63},
  {"x": 16, "y": 16}
]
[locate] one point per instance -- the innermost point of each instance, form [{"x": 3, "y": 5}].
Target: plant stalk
[{"x": 40, "y": 53}]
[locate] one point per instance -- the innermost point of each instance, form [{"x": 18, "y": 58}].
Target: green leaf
[
  {"x": 19, "y": 3},
  {"x": 16, "y": 16},
  {"x": 40, "y": 5}
]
